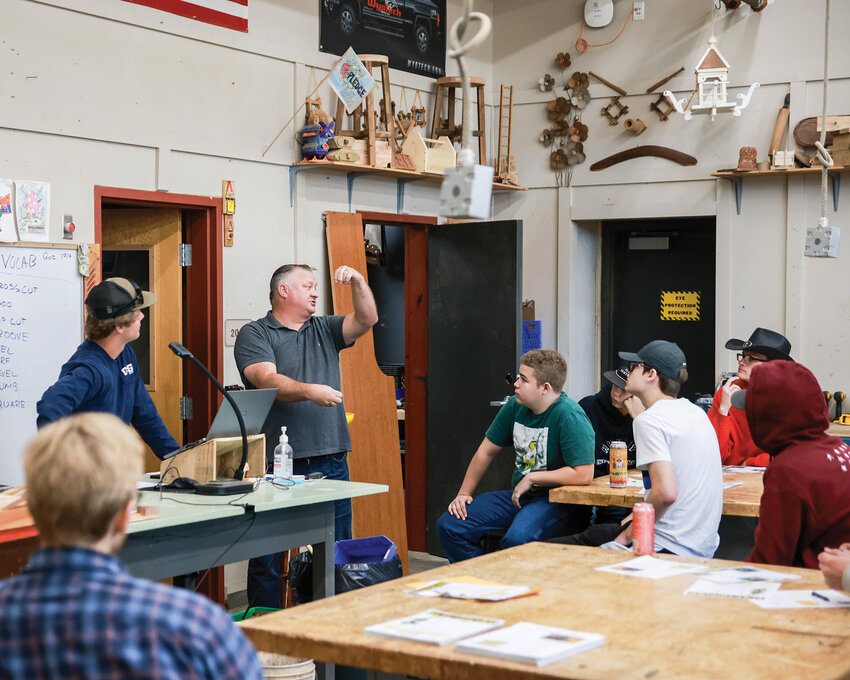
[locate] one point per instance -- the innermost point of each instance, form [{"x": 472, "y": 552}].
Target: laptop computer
[{"x": 254, "y": 405}]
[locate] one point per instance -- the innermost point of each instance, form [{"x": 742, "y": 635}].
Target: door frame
[
  {"x": 415, "y": 368},
  {"x": 204, "y": 318}
]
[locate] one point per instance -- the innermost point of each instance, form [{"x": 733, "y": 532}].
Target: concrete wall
[{"x": 106, "y": 92}]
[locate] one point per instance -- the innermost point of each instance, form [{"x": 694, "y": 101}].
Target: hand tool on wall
[
  {"x": 780, "y": 127},
  {"x": 828, "y": 396},
  {"x": 839, "y": 398},
  {"x": 661, "y": 82}
]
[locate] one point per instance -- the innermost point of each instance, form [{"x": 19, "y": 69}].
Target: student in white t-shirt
[{"x": 677, "y": 446}]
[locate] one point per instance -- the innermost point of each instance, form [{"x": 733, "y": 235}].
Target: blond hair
[
  {"x": 81, "y": 472},
  {"x": 98, "y": 329},
  {"x": 549, "y": 367}
]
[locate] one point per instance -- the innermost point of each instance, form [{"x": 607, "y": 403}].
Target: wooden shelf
[
  {"x": 355, "y": 170},
  {"x": 737, "y": 177}
]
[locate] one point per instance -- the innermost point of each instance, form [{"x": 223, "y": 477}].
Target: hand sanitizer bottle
[{"x": 283, "y": 457}]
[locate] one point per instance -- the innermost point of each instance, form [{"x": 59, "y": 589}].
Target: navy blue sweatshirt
[{"x": 91, "y": 380}]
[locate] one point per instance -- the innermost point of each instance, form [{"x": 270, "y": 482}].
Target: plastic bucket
[{"x": 282, "y": 666}]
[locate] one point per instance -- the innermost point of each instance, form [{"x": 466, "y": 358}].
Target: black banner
[{"x": 412, "y": 33}]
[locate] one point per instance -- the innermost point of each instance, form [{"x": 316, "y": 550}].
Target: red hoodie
[
  {"x": 733, "y": 434},
  {"x": 806, "y": 502}
]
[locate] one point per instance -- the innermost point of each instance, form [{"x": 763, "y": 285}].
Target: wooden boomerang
[{"x": 647, "y": 150}]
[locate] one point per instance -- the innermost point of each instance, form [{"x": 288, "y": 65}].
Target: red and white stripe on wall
[{"x": 227, "y": 13}]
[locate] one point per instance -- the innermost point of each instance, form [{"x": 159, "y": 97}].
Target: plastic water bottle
[{"x": 283, "y": 457}]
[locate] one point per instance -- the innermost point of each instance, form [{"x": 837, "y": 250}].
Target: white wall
[{"x": 762, "y": 277}]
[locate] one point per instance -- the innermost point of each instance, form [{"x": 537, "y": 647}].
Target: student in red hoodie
[
  {"x": 733, "y": 434},
  {"x": 805, "y": 506}
]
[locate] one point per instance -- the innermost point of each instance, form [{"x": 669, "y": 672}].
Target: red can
[
  {"x": 618, "y": 472},
  {"x": 643, "y": 529}
]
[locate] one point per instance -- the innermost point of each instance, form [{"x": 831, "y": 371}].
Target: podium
[{"x": 217, "y": 458}]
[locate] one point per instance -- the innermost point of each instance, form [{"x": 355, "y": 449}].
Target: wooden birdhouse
[
  {"x": 712, "y": 80},
  {"x": 712, "y": 77}
]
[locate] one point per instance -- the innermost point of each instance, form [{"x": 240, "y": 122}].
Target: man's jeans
[
  {"x": 264, "y": 572},
  {"x": 493, "y": 511}
]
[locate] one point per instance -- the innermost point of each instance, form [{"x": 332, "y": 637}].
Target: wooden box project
[
  {"x": 217, "y": 458},
  {"x": 383, "y": 153},
  {"x": 429, "y": 155}
]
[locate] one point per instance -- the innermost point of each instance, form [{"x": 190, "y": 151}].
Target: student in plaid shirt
[{"x": 75, "y": 612}]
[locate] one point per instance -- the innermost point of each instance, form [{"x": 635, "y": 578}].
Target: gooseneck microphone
[{"x": 221, "y": 486}]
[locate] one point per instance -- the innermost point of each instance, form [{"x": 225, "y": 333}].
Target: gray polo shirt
[{"x": 309, "y": 355}]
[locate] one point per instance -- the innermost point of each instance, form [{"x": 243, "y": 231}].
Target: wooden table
[
  {"x": 652, "y": 629},
  {"x": 740, "y": 500}
]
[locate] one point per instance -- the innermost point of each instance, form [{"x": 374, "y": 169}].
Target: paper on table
[
  {"x": 729, "y": 485},
  {"x": 746, "y": 469},
  {"x": 728, "y": 589},
  {"x": 747, "y": 575},
  {"x": 434, "y": 626},
  {"x": 647, "y": 566},
  {"x": 804, "y": 599},
  {"x": 531, "y": 643},
  {"x": 492, "y": 592}
]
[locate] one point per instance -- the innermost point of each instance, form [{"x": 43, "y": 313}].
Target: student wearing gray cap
[
  {"x": 677, "y": 446},
  {"x": 103, "y": 374}
]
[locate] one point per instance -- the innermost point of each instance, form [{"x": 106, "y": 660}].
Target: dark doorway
[
  {"x": 658, "y": 282},
  {"x": 474, "y": 316}
]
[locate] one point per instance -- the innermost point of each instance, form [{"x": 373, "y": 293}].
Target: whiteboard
[{"x": 41, "y": 324}]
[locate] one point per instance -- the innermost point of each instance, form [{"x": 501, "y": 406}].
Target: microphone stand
[{"x": 221, "y": 487}]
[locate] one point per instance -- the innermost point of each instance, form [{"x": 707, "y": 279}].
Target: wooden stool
[
  {"x": 369, "y": 129},
  {"x": 285, "y": 587},
  {"x": 454, "y": 130}
]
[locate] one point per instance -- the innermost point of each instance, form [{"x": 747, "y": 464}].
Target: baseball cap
[
  {"x": 617, "y": 377},
  {"x": 739, "y": 399},
  {"x": 665, "y": 357},
  {"x": 117, "y": 296}
]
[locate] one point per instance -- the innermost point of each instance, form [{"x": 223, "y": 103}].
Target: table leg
[{"x": 323, "y": 576}]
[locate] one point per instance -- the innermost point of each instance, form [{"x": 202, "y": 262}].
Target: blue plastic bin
[
  {"x": 364, "y": 550},
  {"x": 531, "y": 336}
]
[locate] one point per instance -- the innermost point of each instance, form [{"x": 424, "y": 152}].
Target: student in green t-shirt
[{"x": 553, "y": 444}]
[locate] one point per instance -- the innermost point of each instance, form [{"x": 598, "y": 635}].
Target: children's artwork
[
  {"x": 32, "y": 209},
  {"x": 7, "y": 217}
]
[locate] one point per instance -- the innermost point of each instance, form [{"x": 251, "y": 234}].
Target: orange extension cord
[{"x": 582, "y": 44}]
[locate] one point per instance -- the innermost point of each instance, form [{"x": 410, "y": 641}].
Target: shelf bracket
[
  {"x": 350, "y": 181},
  {"x": 739, "y": 190},
  {"x": 399, "y": 190},
  {"x": 293, "y": 171},
  {"x": 835, "y": 178}
]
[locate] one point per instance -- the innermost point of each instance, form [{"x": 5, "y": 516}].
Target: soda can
[
  {"x": 618, "y": 464},
  {"x": 643, "y": 529}
]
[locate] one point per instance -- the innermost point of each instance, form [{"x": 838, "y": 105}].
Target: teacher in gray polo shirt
[{"x": 297, "y": 353}]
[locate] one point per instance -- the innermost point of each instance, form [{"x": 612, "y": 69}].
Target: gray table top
[{"x": 174, "y": 509}]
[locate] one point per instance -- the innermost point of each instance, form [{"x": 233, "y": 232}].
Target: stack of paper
[
  {"x": 434, "y": 627},
  {"x": 804, "y": 599},
  {"x": 751, "y": 590},
  {"x": 531, "y": 643}
]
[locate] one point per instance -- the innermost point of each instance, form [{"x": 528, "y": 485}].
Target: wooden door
[{"x": 142, "y": 244}]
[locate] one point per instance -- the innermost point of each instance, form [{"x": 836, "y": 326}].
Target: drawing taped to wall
[
  {"x": 7, "y": 215},
  {"x": 32, "y": 210},
  {"x": 410, "y": 32}
]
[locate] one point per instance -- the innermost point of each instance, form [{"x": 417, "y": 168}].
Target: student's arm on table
[{"x": 477, "y": 467}]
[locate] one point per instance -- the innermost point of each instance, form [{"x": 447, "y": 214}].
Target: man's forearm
[
  {"x": 365, "y": 310},
  {"x": 287, "y": 389},
  {"x": 659, "y": 502},
  {"x": 579, "y": 475}
]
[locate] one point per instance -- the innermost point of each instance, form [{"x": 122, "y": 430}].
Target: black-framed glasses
[{"x": 748, "y": 358}]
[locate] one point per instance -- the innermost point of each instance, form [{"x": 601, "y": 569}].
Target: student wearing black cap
[
  {"x": 733, "y": 433},
  {"x": 103, "y": 374}
]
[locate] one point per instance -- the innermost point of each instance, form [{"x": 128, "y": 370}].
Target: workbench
[
  {"x": 742, "y": 500},
  {"x": 652, "y": 629}
]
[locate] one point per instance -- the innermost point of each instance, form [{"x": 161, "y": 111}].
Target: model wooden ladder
[{"x": 506, "y": 165}]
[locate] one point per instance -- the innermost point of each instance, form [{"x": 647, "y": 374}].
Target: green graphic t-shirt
[{"x": 560, "y": 436}]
